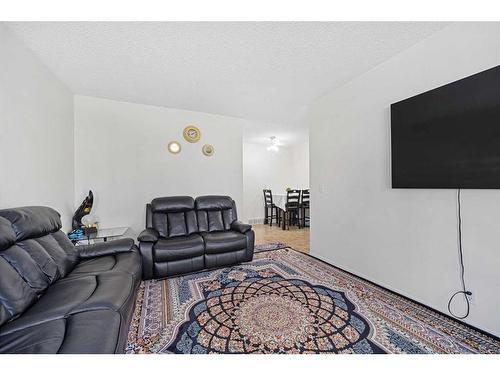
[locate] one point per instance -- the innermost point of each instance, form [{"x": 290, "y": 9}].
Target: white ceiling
[{"x": 263, "y": 71}]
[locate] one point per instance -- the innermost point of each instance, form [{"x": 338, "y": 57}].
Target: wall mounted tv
[{"x": 449, "y": 137}]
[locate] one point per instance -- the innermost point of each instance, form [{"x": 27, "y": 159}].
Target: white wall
[
  {"x": 36, "y": 132},
  {"x": 262, "y": 169},
  {"x": 405, "y": 240},
  {"x": 300, "y": 161},
  {"x": 121, "y": 155}
]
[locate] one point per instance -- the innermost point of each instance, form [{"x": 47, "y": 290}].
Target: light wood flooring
[{"x": 295, "y": 238}]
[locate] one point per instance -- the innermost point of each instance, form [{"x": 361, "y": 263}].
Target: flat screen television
[{"x": 449, "y": 137}]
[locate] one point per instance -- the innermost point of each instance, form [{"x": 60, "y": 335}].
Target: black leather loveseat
[
  {"x": 185, "y": 235},
  {"x": 58, "y": 298}
]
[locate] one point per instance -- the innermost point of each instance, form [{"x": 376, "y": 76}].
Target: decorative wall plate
[
  {"x": 208, "y": 150},
  {"x": 192, "y": 134},
  {"x": 174, "y": 147}
]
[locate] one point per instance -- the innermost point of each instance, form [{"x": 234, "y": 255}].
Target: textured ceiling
[{"x": 264, "y": 71}]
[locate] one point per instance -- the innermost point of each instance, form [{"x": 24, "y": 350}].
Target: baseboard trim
[
  {"x": 256, "y": 221},
  {"x": 328, "y": 262}
]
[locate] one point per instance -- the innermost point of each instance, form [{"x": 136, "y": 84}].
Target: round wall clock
[
  {"x": 208, "y": 150},
  {"x": 192, "y": 134}
]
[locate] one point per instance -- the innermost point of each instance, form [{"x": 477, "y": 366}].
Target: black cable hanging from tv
[{"x": 464, "y": 290}]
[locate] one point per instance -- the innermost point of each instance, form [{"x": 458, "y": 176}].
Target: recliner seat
[
  {"x": 58, "y": 298},
  {"x": 185, "y": 235}
]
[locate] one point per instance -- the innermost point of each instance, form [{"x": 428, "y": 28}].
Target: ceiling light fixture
[{"x": 274, "y": 144}]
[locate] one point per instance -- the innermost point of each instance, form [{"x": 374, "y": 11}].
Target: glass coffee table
[{"x": 105, "y": 233}]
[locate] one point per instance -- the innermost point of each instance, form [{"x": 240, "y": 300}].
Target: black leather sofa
[
  {"x": 184, "y": 235},
  {"x": 58, "y": 298}
]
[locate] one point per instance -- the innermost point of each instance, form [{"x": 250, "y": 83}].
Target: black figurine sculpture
[{"x": 83, "y": 210}]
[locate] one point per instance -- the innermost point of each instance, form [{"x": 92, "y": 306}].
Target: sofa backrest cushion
[
  {"x": 215, "y": 213},
  {"x": 7, "y": 234},
  {"x": 173, "y": 216},
  {"x": 34, "y": 253},
  {"x": 30, "y": 222},
  {"x": 15, "y": 294}
]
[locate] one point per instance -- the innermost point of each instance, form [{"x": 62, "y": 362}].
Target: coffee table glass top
[{"x": 106, "y": 233}]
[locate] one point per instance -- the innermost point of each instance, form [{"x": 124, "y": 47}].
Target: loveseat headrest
[
  {"x": 172, "y": 204},
  {"x": 7, "y": 234},
  {"x": 32, "y": 222},
  {"x": 214, "y": 202}
]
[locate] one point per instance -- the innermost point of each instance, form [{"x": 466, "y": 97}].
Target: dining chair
[
  {"x": 304, "y": 206},
  {"x": 269, "y": 206},
  {"x": 292, "y": 208}
]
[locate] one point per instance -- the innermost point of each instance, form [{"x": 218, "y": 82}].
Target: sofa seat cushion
[
  {"x": 77, "y": 333},
  {"x": 225, "y": 259},
  {"x": 129, "y": 262},
  {"x": 111, "y": 291},
  {"x": 92, "y": 332},
  {"x": 177, "y": 248},
  {"x": 44, "y": 338},
  {"x": 178, "y": 267},
  {"x": 222, "y": 242}
]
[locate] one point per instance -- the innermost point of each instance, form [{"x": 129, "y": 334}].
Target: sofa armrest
[
  {"x": 148, "y": 235},
  {"x": 238, "y": 226},
  {"x": 106, "y": 248}
]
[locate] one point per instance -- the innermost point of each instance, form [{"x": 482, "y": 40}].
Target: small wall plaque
[
  {"x": 192, "y": 134},
  {"x": 208, "y": 150},
  {"x": 174, "y": 147}
]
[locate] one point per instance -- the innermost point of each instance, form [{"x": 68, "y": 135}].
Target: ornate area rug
[{"x": 285, "y": 301}]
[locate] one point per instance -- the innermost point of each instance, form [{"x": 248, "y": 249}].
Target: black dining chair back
[
  {"x": 270, "y": 210},
  {"x": 268, "y": 197},
  {"x": 304, "y": 205},
  {"x": 292, "y": 208},
  {"x": 304, "y": 198},
  {"x": 293, "y": 198}
]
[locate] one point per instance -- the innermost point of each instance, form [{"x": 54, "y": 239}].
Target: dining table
[{"x": 279, "y": 200}]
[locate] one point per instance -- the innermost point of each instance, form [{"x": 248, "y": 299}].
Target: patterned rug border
[
  {"x": 383, "y": 288},
  {"x": 402, "y": 297},
  {"x": 271, "y": 246}
]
